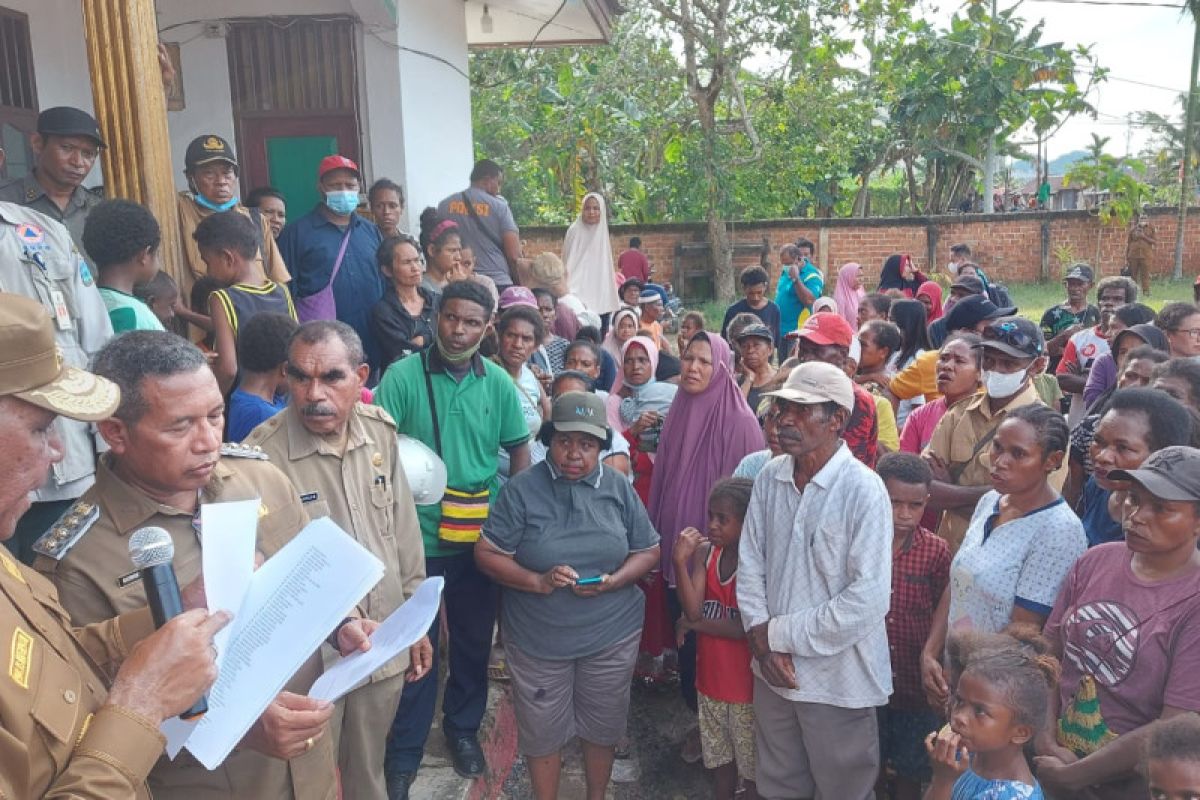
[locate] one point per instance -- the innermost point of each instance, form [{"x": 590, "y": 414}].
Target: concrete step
[{"x": 437, "y": 780}]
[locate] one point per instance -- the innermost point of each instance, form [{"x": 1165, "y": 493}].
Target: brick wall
[{"x": 1008, "y": 246}]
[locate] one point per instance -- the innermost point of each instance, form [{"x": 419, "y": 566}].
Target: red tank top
[{"x": 722, "y": 665}]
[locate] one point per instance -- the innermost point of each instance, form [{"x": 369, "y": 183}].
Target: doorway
[{"x": 295, "y": 100}]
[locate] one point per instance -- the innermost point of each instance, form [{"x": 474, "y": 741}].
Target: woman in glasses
[{"x": 1181, "y": 323}]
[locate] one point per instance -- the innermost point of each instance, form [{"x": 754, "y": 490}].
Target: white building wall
[
  {"x": 60, "y": 58},
  {"x": 415, "y": 111},
  {"x": 435, "y": 102}
]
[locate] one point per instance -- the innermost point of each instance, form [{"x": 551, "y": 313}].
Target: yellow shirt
[
  {"x": 888, "y": 435},
  {"x": 918, "y": 378}
]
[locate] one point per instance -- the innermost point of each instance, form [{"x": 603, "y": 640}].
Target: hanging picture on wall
[{"x": 172, "y": 75}]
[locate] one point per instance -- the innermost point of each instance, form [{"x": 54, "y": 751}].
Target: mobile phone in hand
[{"x": 590, "y": 581}]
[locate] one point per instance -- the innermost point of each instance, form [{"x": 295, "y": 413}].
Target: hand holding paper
[{"x": 403, "y": 628}]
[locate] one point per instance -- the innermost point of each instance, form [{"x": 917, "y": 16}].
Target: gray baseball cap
[{"x": 1172, "y": 473}]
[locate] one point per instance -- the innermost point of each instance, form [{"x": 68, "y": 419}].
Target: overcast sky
[{"x": 1149, "y": 45}]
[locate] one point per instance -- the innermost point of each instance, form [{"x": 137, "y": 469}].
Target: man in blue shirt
[
  {"x": 800, "y": 284},
  {"x": 310, "y": 246}
]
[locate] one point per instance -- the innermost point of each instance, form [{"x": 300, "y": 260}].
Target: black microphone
[{"x": 152, "y": 550}]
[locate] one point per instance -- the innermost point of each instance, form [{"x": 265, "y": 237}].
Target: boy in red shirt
[
  {"x": 920, "y": 572},
  {"x": 708, "y": 595}
]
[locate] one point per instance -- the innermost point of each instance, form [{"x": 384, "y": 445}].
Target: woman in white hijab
[{"x": 587, "y": 254}]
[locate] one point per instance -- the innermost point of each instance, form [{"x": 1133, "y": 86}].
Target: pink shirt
[
  {"x": 1140, "y": 641},
  {"x": 918, "y": 428}
]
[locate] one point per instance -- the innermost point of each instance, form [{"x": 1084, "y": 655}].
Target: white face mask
[
  {"x": 1003, "y": 384},
  {"x": 952, "y": 268}
]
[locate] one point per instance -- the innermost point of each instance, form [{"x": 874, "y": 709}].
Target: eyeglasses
[
  {"x": 1011, "y": 334},
  {"x": 1194, "y": 333}
]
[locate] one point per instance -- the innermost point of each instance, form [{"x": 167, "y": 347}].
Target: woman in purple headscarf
[{"x": 709, "y": 431}]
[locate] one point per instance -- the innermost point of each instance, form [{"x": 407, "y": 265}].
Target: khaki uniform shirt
[
  {"x": 96, "y": 579},
  {"x": 28, "y": 192},
  {"x": 38, "y": 260},
  {"x": 57, "y": 738},
  {"x": 190, "y": 215},
  {"x": 954, "y": 440},
  {"x": 363, "y": 490}
]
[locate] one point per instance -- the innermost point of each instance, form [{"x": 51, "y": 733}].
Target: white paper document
[
  {"x": 227, "y": 557},
  {"x": 400, "y": 631},
  {"x": 291, "y": 604}
]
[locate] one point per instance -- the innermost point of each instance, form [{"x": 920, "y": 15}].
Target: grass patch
[{"x": 1032, "y": 299}]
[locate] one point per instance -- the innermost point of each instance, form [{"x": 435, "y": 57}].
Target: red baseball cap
[
  {"x": 825, "y": 327},
  {"x": 330, "y": 163}
]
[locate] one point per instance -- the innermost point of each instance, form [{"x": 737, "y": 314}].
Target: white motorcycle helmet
[{"x": 425, "y": 471}]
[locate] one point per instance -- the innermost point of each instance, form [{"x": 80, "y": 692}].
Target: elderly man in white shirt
[{"x": 814, "y": 583}]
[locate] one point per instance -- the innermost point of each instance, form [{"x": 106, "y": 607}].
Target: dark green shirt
[{"x": 477, "y": 416}]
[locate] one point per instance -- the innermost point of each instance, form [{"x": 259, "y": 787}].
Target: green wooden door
[{"x": 292, "y": 166}]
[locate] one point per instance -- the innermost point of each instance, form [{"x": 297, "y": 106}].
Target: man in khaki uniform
[
  {"x": 65, "y": 732},
  {"x": 211, "y": 169},
  {"x": 1014, "y": 351},
  {"x": 38, "y": 260},
  {"x": 342, "y": 457},
  {"x": 165, "y": 460}
]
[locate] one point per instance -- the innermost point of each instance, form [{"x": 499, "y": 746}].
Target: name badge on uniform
[{"x": 62, "y": 314}]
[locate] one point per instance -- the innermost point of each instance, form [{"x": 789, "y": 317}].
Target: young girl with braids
[{"x": 997, "y": 706}]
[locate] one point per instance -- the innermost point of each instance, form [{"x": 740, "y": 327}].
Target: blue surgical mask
[
  {"x": 342, "y": 203},
  {"x": 203, "y": 201}
]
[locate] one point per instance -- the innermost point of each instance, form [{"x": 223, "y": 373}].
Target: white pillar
[{"x": 416, "y": 109}]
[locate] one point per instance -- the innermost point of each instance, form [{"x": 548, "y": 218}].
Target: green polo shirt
[{"x": 477, "y": 416}]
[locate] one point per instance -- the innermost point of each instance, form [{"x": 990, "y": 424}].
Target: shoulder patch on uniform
[
  {"x": 10, "y": 566},
  {"x": 69, "y": 529},
  {"x": 376, "y": 412},
  {"x": 234, "y": 450},
  {"x": 30, "y": 234},
  {"x": 85, "y": 274},
  {"x": 20, "y": 657}
]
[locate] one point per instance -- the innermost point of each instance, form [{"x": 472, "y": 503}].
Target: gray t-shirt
[
  {"x": 591, "y": 525},
  {"x": 484, "y": 230}
]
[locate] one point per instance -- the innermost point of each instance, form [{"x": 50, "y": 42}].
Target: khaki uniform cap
[{"x": 32, "y": 367}]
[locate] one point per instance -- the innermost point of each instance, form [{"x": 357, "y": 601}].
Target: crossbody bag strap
[
  {"x": 957, "y": 470},
  {"x": 437, "y": 433},
  {"x": 337, "y": 264}
]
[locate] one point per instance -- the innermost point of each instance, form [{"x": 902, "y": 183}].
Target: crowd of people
[{"x": 887, "y": 543}]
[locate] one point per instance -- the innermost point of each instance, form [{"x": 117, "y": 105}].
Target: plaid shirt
[{"x": 920, "y": 571}]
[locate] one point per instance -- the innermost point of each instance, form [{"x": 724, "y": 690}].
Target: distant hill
[{"x": 1058, "y": 166}]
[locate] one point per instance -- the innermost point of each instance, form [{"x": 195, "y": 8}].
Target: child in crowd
[
  {"x": 1172, "y": 763},
  {"x": 920, "y": 572},
  {"x": 122, "y": 239},
  {"x": 228, "y": 244},
  {"x": 754, "y": 300},
  {"x": 631, "y": 292},
  {"x": 997, "y": 706},
  {"x": 690, "y": 324},
  {"x": 262, "y": 345},
  {"x": 161, "y": 294},
  {"x": 202, "y": 290},
  {"x": 708, "y": 596}
]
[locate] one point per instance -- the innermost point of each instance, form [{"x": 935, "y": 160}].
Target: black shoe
[
  {"x": 397, "y": 785},
  {"x": 468, "y": 756}
]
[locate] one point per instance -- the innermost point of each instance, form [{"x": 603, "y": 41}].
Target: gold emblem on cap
[{"x": 213, "y": 143}]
